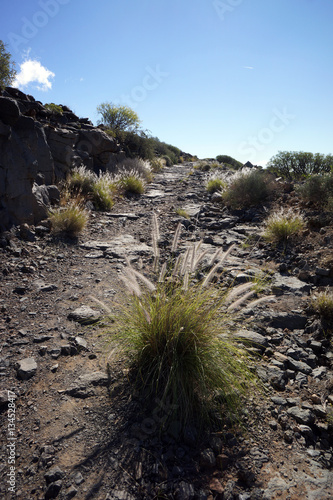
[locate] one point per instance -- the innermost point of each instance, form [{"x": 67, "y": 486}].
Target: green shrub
[
  {"x": 167, "y": 160},
  {"x": 318, "y": 189},
  {"x": 228, "y": 160},
  {"x": 282, "y": 224},
  {"x": 174, "y": 334},
  {"x": 54, "y": 108},
  {"x": 247, "y": 188},
  {"x": 203, "y": 166},
  {"x": 68, "y": 221}
]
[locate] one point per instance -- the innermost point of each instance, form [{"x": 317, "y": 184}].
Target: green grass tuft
[
  {"x": 182, "y": 213},
  {"x": 214, "y": 185}
]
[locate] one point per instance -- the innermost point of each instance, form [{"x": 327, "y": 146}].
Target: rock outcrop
[{"x": 38, "y": 147}]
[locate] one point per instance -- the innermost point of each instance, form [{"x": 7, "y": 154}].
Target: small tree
[
  {"x": 299, "y": 164},
  {"x": 118, "y": 118},
  {"x": 7, "y": 69}
]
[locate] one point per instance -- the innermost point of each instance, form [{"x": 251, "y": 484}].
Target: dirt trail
[{"x": 72, "y": 414}]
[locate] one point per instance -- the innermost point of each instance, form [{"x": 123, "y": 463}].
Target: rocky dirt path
[{"x": 77, "y": 431}]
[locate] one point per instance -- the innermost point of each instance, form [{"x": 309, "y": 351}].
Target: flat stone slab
[
  {"x": 123, "y": 215},
  {"x": 289, "y": 284},
  {"x": 155, "y": 193},
  {"x": 120, "y": 246}
]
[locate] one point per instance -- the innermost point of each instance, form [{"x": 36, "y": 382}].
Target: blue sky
[{"x": 247, "y": 78}]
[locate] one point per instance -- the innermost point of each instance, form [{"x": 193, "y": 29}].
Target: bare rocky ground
[{"x": 80, "y": 433}]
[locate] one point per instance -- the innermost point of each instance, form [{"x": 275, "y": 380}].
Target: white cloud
[{"x": 33, "y": 72}]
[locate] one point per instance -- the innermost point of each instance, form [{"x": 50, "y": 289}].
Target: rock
[
  {"x": 53, "y": 490},
  {"x": 223, "y": 461},
  {"x": 216, "y": 197},
  {"x": 288, "y": 436},
  {"x": 320, "y": 411},
  {"x": 27, "y": 368},
  {"x": 185, "y": 491},
  {"x": 82, "y": 387},
  {"x": 121, "y": 495},
  {"x": 279, "y": 401},
  {"x": 276, "y": 377},
  {"x": 319, "y": 373},
  {"x": 305, "y": 417},
  {"x": 292, "y": 321},
  {"x": 85, "y": 315},
  {"x": 289, "y": 284},
  {"x": 71, "y": 492},
  {"x": 207, "y": 459},
  {"x": 301, "y": 379},
  {"x": 54, "y": 474},
  {"x": 81, "y": 343},
  {"x": 299, "y": 366},
  {"x": 119, "y": 247},
  {"x": 252, "y": 338},
  {"x": 78, "y": 478},
  {"x": 26, "y": 234},
  {"x": 216, "y": 444},
  {"x": 9, "y": 111},
  {"x": 306, "y": 431},
  {"x": 215, "y": 486},
  {"x": 3, "y": 399},
  {"x": 322, "y": 272}
]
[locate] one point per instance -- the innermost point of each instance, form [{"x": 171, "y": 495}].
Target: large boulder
[
  {"x": 38, "y": 148},
  {"x": 9, "y": 111},
  {"x": 24, "y": 154},
  {"x": 98, "y": 145},
  {"x": 62, "y": 146}
]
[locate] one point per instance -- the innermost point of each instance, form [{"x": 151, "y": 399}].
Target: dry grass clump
[
  {"x": 174, "y": 335},
  {"x": 100, "y": 189},
  {"x": 142, "y": 168},
  {"x": 247, "y": 187},
  {"x": 322, "y": 304},
  {"x": 282, "y": 224},
  {"x": 69, "y": 220}
]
